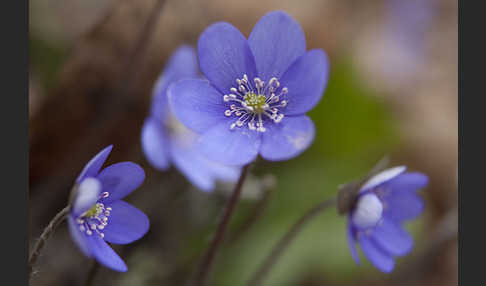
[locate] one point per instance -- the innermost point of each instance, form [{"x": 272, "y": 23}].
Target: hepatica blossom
[
  {"x": 256, "y": 93},
  {"x": 384, "y": 203},
  {"x": 98, "y": 215},
  {"x": 165, "y": 140}
]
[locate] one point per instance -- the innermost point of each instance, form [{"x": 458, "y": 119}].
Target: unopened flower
[
  {"x": 165, "y": 140},
  {"x": 98, "y": 215},
  {"x": 257, "y": 93},
  {"x": 383, "y": 204}
]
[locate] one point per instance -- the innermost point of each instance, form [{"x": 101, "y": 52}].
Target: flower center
[
  {"x": 252, "y": 103},
  {"x": 95, "y": 219},
  {"x": 255, "y": 101},
  {"x": 368, "y": 211}
]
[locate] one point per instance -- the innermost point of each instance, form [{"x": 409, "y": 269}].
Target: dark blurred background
[{"x": 392, "y": 90}]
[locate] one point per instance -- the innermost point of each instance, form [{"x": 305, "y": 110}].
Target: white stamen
[
  {"x": 95, "y": 219},
  {"x": 254, "y": 105}
]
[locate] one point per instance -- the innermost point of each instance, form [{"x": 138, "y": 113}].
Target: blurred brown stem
[
  {"x": 45, "y": 236},
  {"x": 207, "y": 261},
  {"x": 284, "y": 242}
]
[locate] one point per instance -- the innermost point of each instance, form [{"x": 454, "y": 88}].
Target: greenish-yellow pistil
[
  {"x": 255, "y": 101},
  {"x": 94, "y": 211}
]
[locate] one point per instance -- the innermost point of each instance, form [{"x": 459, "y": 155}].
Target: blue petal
[
  {"x": 87, "y": 195},
  {"x": 223, "y": 172},
  {"x": 382, "y": 178},
  {"x": 392, "y": 238},
  {"x": 407, "y": 182},
  {"x": 78, "y": 237},
  {"x": 155, "y": 143},
  {"x": 200, "y": 171},
  {"x": 230, "y": 147},
  {"x": 224, "y": 56},
  {"x": 399, "y": 194},
  {"x": 403, "y": 206},
  {"x": 191, "y": 164},
  {"x": 126, "y": 223},
  {"x": 94, "y": 165},
  {"x": 351, "y": 235},
  {"x": 287, "y": 139},
  {"x": 380, "y": 259},
  {"x": 197, "y": 104},
  {"x": 104, "y": 254},
  {"x": 306, "y": 80},
  {"x": 276, "y": 41},
  {"x": 182, "y": 64},
  {"x": 121, "y": 179}
]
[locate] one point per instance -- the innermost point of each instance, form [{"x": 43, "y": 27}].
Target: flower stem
[
  {"x": 45, "y": 236},
  {"x": 284, "y": 242},
  {"x": 208, "y": 258}
]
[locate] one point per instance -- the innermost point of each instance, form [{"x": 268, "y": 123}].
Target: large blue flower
[
  {"x": 98, "y": 215},
  {"x": 257, "y": 94},
  {"x": 384, "y": 203},
  {"x": 166, "y": 140}
]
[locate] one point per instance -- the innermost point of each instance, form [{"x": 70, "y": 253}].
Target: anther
[{"x": 254, "y": 102}]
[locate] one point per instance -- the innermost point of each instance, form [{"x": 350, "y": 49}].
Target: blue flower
[
  {"x": 165, "y": 140},
  {"x": 257, "y": 93},
  {"x": 376, "y": 221},
  {"x": 98, "y": 215}
]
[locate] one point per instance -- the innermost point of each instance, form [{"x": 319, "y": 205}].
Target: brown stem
[
  {"x": 45, "y": 236},
  {"x": 208, "y": 258},
  {"x": 284, "y": 242}
]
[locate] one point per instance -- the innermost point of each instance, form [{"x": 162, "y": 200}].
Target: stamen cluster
[
  {"x": 96, "y": 218},
  {"x": 251, "y": 101}
]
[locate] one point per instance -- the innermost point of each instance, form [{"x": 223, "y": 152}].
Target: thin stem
[
  {"x": 208, "y": 258},
  {"x": 91, "y": 273},
  {"x": 284, "y": 242},
  {"x": 45, "y": 236}
]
